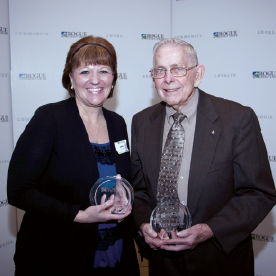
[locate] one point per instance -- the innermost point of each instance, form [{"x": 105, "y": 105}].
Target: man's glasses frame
[{"x": 174, "y": 71}]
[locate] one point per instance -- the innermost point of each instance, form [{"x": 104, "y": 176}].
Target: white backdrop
[{"x": 234, "y": 39}]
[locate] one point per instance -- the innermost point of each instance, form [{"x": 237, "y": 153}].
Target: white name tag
[{"x": 121, "y": 147}]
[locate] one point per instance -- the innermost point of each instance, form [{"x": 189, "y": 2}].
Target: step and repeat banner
[
  {"x": 41, "y": 36},
  {"x": 233, "y": 40},
  {"x": 8, "y": 227}
]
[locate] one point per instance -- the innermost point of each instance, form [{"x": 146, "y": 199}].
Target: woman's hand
[
  {"x": 102, "y": 212},
  {"x": 99, "y": 213}
]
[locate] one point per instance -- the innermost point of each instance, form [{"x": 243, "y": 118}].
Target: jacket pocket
[{"x": 218, "y": 166}]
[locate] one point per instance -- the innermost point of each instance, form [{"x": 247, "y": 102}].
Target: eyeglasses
[{"x": 159, "y": 73}]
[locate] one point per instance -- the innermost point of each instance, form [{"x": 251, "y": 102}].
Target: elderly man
[{"x": 221, "y": 170}]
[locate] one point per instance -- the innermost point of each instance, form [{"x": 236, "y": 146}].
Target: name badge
[{"x": 121, "y": 147}]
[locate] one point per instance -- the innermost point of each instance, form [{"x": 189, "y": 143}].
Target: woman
[{"x": 64, "y": 149}]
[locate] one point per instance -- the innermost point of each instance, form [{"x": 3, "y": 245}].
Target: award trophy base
[{"x": 170, "y": 216}]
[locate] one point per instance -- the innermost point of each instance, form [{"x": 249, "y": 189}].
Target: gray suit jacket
[{"x": 230, "y": 185}]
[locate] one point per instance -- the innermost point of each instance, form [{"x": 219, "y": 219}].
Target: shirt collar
[{"x": 189, "y": 110}]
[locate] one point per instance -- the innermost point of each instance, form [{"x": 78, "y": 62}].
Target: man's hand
[
  {"x": 188, "y": 239},
  {"x": 151, "y": 237}
]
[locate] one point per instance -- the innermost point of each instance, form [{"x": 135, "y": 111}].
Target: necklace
[{"x": 90, "y": 131}]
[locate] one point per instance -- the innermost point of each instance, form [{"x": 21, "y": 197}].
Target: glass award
[
  {"x": 170, "y": 215},
  {"x": 112, "y": 187}
]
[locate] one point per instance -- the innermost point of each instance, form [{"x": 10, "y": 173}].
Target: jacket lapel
[
  {"x": 205, "y": 140},
  {"x": 153, "y": 137},
  {"x": 84, "y": 153},
  {"x": 79, "y": 132}
]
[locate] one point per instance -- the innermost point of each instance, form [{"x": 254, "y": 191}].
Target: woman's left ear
[{"x": 200, "y": 70}]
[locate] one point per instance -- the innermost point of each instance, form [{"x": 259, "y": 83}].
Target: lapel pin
[{"x": 213, "y": 132}]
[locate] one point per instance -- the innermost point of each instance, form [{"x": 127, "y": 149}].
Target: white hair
[{"x": 188, "y": 48}]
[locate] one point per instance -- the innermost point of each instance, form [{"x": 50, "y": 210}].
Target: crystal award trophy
[
  {"x": 170, "y": 215},
  {"x": 110, "y": 186}
]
